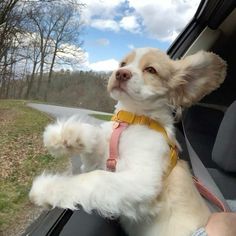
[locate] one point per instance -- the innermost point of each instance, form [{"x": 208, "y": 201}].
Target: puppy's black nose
[{"x": 123, "y": 75}]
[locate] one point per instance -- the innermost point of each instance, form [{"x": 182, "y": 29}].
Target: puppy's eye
[
  {"x": 150, "y": 70},
  {"x": 122, "y": 64}
]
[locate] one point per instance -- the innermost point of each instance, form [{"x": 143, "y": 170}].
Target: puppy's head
[{"x": 147, "y": 75}]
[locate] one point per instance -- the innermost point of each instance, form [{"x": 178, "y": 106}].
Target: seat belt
[{"x": 203, "y": 175}]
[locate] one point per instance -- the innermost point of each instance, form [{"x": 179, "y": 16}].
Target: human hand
[{"x": 221, "y": 224}]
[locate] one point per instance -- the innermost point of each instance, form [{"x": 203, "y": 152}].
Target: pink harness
[
  {"x": 209, "y": 195},
  {"x": 118, "y": 128}
]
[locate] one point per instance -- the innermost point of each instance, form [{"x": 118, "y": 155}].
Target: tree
[
  {"x": 8, "y": 22},
  {"x": 33, "y": 55},
  {"x": 55, "y": 22},
  {"x": 39, "y": 34},
  {"x": 9, "y": 19},
  {"x": 66, "y": 32}
]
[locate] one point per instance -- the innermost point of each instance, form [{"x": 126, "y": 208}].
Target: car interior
[{"x": 209, "y": 126}]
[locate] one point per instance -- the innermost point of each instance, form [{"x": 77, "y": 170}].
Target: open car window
[{"x": 77, "y": 79}]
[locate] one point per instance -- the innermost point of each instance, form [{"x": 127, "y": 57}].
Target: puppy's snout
[{"x": 123, "y": 75}]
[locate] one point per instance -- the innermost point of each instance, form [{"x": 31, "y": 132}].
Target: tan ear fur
[{"x": 194, "y": 77}]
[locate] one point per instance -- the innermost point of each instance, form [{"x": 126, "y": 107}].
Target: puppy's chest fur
[
  {"x": 138, "y": 146},
  {"x": 178, "y": 210},
  {"x": 144, "y": 149}
]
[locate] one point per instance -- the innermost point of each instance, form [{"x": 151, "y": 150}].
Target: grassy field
[
  {"x": 101, "y": 117},
  {"x": 22, "y": 157}
]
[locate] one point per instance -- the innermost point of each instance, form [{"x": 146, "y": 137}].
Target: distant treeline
[{"x": 84, "y": 89}]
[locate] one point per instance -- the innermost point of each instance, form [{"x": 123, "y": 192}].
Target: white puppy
[{"x": 150, "y": 197}]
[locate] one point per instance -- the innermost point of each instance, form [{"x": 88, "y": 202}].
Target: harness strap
[
  {"x": 122, "y": 120},
  {"x": 205, "y": 183},
  {"x": 204, "y": 191},
  {"x": 131, "y": 118},
  {"x": 118, "y": 128}
]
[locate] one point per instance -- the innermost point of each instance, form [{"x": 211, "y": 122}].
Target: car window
[{"x": 61, "y": 53}]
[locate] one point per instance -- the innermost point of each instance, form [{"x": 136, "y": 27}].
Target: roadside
[
  {"x": 22, "y": 157},
  {"x": 64, "y": 112}
]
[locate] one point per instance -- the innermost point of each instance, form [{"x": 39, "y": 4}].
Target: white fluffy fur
[{"x": 147, "y": 202}]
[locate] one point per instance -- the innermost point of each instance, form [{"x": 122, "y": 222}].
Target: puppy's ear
[{"x": 194, "y": 77}]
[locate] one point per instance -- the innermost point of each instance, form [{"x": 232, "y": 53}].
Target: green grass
[
  {"x": 102, "y": 117},
  {"x": 22, "y": 157}
]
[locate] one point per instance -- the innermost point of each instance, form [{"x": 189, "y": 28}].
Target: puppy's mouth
[{"x": 120, "y": 86}]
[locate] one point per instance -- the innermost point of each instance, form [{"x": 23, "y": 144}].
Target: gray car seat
[
  {"x": 224, "y": 154},
  {"x": 211, "y": 135}
]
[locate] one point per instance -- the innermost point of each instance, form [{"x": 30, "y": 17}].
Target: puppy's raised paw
[
  {"x": 63, "y": 138},
  {"x": 71, "y": 138}
]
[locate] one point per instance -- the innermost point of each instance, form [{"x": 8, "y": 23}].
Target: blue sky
[
  {"x": 103, "y": 45},
  {"x": 114, "y": 27}
]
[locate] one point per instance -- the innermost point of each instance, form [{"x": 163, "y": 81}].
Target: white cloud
[
  {"x": 100, "y": 10},
  {"x": 105, "y": 25},
  {"x": 130, "y": 23},
  {"x": 159, "y": 19},
  {"x": 106, "y": 65},
  {"x": 131, "y": 46},
  {"x": 163, "y": 20}
]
